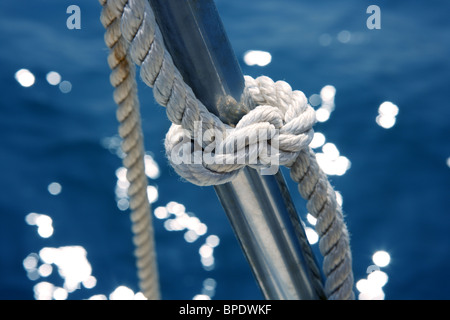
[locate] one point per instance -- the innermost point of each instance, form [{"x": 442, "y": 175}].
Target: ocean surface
[{"x": 384, "y": 125}]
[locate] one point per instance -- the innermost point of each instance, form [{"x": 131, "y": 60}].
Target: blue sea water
[{"x": 59, "y": 157}]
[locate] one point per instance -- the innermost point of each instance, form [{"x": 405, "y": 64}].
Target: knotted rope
[{"x": 281, "y": 117}]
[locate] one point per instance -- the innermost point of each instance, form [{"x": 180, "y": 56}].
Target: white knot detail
[
  {"x": 279, "y": 123},
  {"x": 272, "y": 133}
]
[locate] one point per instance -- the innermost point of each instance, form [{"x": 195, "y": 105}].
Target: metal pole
[{"x": 259, "y": 208}]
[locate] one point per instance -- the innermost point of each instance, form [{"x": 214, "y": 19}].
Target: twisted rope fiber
[
  {"x": 125, "y": 95},
  {"x": 274, "y": 108}
]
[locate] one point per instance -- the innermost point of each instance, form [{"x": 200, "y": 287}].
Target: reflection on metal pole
[{"x": 259, "y": 208}]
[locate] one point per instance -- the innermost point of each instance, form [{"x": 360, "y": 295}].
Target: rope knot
[
  {"x": 205, "y": 151},
  {"x": 278, "y": 126}
]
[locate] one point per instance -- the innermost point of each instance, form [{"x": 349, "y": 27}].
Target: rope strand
[
  {"x": 123, "y": 80},
  {"x": 282, "y": 115}
]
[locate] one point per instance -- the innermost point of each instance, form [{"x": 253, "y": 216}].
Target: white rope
[
  {"x": 281, "y": 114},
  {"x": 286, "y": 118},
  {"x": 125, "y": 95}
]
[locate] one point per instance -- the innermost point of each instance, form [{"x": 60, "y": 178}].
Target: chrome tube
[{"x": 258, "y": 207}]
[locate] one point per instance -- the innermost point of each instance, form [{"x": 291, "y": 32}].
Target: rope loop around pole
[{"x": 205, "y": 151}]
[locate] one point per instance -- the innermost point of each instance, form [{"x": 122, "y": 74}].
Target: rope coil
[{"x": 281, "y": 114}]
